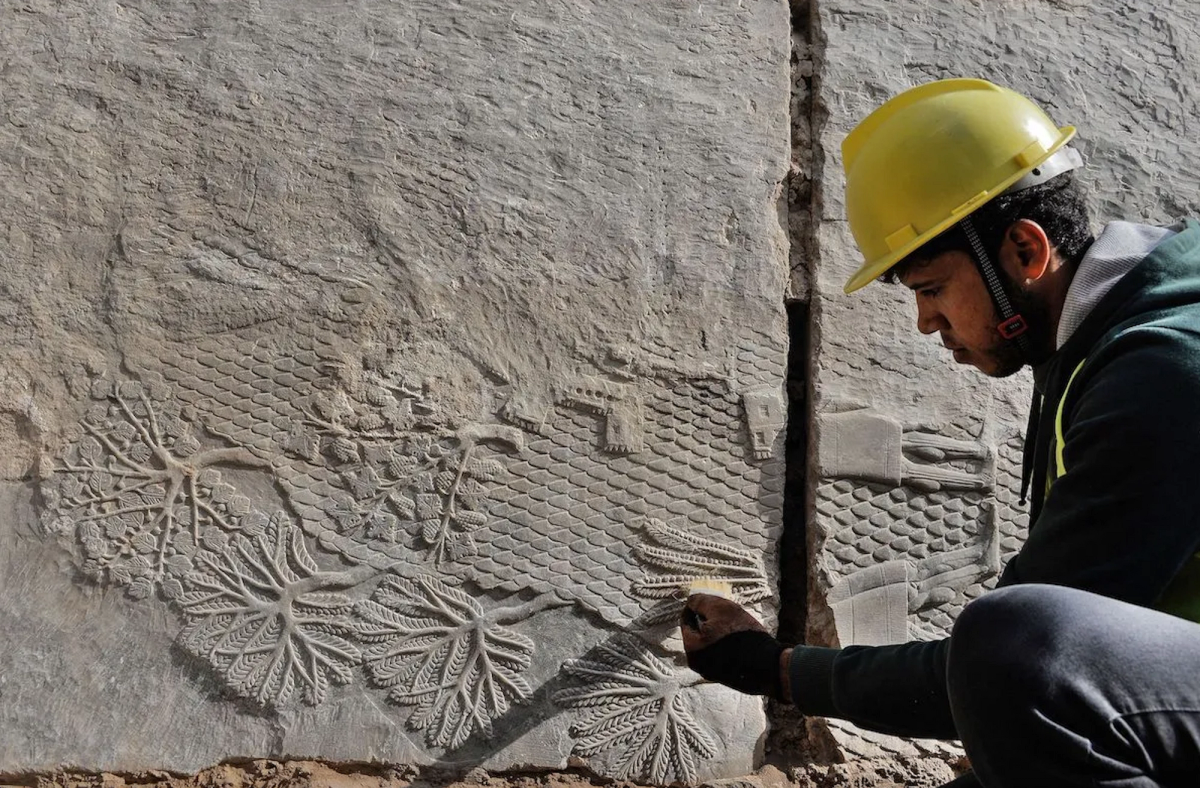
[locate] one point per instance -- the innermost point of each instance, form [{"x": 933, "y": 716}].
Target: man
[{"x": 1083, "y": 669}]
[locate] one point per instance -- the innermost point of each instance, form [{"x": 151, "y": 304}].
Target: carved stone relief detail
[
  {"x": 140, "y": 502},
  {"x": 270, "y": 622},
  {"x": 931, "y": 462},
  {"x": 917, "y": 523},
  {"x": 636, "y": 709},
  {"x": 579, "y": 509},
  {"x": 875, "y": 448},
  {"x": 675, "y": 558},
  {"x": 855, "y": 743},
  {"x": 766, "y": 416},
  {"x": 870, "y": 606},
  {"x": 435, "y": 487},
  {"x": 140, "y": 495},
  {"x": 860, "y": 445},
  {"x": 696, "y": 467},
  {"x": 316, "y": 518},
  {"x": 618, "y": 403},
  {"x": 434, "y": 647}
]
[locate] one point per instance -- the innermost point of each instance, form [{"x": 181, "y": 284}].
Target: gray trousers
[{"x": 1056, "y": 687}]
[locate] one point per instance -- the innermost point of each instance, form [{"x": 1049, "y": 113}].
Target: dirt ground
[
  {"x": 792, "y": 760},
  {"x": 927, "y": 773}
]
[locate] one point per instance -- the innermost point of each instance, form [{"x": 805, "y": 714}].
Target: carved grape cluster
[
  {"x": 380, "y": 404},
  {"x": 403, "y": 475},
  {"x": 431, "y": 491}
]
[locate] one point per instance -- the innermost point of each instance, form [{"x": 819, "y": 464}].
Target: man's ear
[{"x": 1026, "y": 252}]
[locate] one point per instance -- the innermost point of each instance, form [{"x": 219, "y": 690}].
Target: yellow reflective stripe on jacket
[
  {"x": 1182, "y": 595},
  {"x": 1060, "y": 466}
]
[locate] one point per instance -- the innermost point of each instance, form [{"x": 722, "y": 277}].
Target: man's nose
[{"x": 929, "y": 319}]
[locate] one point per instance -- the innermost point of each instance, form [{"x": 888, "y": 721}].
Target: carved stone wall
[
  {"x": 914, "y": 489},
  {"x": 377, "y": 374}
]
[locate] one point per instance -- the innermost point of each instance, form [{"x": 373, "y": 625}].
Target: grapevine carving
[
  {"x": 435, "y": 648},
  {"x": 433, "y": 487},
  {"x": 147, "y": 503},
  {"x": 634, "y": 706},
  {"x": 269, "y": 621},
  {"x": 404, "y": 475},
  {"x": 429, "y": 490},
  {"x": 373, "y": 407},
  {"x": 139, "y": 493}
]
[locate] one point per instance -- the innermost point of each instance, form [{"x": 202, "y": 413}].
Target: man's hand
[{"x": 726, "y": 644}]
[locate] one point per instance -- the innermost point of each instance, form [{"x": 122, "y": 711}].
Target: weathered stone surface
[
  {"x": 1125, "y": 76},
  {"x": 376, "y": 373}
]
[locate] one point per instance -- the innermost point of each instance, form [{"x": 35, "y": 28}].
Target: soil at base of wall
[{"x": 883, "y": 773}]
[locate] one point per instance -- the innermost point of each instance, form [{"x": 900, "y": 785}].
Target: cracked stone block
[
  {"x": 376, "y": 376},
  {"x": 919, "y": 458}
]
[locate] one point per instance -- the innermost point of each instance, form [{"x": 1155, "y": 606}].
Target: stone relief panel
[
  {"x": 916, "y": 524},
  {"x": 341, "y": 365},
  {"x": 316, "y": 518}
]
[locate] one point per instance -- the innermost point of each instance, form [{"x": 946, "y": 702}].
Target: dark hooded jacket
[{"x": 1115, "y": 507}]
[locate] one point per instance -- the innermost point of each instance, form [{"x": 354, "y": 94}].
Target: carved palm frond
[
  {"x": 436, "y": 649},
  {"x": 635, "y": 708},
  {"x": 258, "y": 615},
  {"x": 675, "y": 558}
]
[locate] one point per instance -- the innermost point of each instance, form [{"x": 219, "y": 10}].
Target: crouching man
[{"x": 1083, "y": 667}]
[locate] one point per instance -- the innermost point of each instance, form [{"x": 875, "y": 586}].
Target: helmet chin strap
[{"x": 1013, "y": 326}]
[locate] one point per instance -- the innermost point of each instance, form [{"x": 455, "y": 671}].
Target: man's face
[{"x": 953, "y": 302}]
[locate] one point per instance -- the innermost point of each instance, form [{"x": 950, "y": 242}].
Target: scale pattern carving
[
  {"x": 868, "y": 524},
  {"x": 575, "y": 501},
  {"x": 608, "y": 509},
  {"x": 573, "y": 513}
]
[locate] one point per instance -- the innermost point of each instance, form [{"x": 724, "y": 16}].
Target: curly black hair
[{"x": 1059, "y": 205}]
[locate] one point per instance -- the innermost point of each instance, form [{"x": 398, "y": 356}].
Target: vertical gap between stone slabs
[
  {"x": 793, "y": 560},
  {"x": 803, "y": 210},
  {"x": 788, "y": 744}
]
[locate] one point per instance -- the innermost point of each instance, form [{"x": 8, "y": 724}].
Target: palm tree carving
[{"x": 437, "y": 649}]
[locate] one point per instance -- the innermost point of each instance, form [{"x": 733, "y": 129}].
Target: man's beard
[{"x": 1006, "y": 353}]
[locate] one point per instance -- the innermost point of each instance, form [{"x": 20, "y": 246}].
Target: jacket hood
[
  {"x": 1117, "y": 282},
  {"x": 1120, "y": 247}
]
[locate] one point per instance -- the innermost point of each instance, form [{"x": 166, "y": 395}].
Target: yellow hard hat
[{"x": 932, "y": 155}]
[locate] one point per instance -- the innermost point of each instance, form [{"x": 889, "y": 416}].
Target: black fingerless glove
[{"x": 746, "y": 661}]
